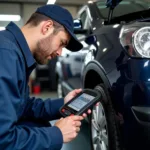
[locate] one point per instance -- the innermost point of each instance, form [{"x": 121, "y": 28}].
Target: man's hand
[
  {"x": 71, "y": 95},
  {"x": 69, "y": 126}
]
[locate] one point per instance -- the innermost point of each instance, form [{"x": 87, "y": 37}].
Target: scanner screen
[{"x": 78, "y": 103}]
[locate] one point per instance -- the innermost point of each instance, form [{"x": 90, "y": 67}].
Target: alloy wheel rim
[{"x": 99, "y": 129}]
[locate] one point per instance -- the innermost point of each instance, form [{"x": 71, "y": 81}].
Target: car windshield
[{"x": 125, "y": 7}]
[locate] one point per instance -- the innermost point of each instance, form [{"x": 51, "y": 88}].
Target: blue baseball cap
[{"x": 62, "y": 16}]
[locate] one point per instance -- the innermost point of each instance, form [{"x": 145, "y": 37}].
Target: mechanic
[{"x": 24, "y": 121}]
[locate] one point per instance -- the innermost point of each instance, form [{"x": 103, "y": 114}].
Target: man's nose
[{"x": 59, "y": 52}]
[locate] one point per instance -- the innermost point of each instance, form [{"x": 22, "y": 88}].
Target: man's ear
[{"x": 47, "y": 27}]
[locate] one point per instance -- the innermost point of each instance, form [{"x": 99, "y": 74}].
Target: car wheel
[
  {"x": 104, "y": 130},
  {"x": 59, "y": 89}
]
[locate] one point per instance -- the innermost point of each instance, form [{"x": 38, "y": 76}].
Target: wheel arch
[{"x": 96, "y": 74}]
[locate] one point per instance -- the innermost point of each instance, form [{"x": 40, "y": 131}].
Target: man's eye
[{"x": 62, "y": 44}]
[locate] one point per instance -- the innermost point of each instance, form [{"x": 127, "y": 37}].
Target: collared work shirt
[{"x": 16, "y": 64}]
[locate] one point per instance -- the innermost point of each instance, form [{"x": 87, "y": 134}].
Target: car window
[
  {"x": 125, "y": 7},
  {"x": 85, "y": 20},
  {"x": 83, "y": 17},
  {"x": 87, "y": 23}
]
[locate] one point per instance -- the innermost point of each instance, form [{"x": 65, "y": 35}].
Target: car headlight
[
  {"x": 141, "y": 41},
  {"x": 135, "y": 38}
]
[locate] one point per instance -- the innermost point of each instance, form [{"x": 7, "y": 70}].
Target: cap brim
[{"x": 74, "y": 45}]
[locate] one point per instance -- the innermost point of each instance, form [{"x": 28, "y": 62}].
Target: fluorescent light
[
  {"x": 90, "y": 2},
  {"x": 10, "y": 17},
  {"x": 51, "y": 1},
  {"x": 2, "y": 28}
]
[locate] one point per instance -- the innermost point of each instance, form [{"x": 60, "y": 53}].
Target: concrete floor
[{"x": 82, "y": 142}]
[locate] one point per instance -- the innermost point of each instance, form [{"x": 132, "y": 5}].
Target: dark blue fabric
[
  {"x": 63, "y": 17},
  {"x": 15, "y": 103}
]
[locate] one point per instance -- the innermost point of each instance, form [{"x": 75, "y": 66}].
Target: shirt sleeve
[
  {"x": 43, "y": 109},
  {"x": 13, "y": 136}
]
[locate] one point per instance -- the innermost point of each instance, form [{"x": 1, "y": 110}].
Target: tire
[
  {"x": 60, "y": 93},
  {"x": 103, "y": 125}
]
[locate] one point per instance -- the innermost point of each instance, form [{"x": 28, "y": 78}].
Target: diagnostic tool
[{"x": 80, "y": 103}]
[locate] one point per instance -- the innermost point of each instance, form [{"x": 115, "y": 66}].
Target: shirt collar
[{"x": 15, "y": 30}]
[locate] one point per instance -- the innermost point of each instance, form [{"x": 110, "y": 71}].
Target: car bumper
[
  {"x": 142, "y": 115},
  {"x": 141, "y": 128},
  {"x": 137, "y": 104}
]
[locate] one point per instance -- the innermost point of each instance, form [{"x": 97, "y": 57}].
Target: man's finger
[
  {"x": 78, "y": 91},
  {"x": 77, "y": 123},
  {"x": 84, "y": 115},
  {"x": 89, "y": 111},
  {"x": 77, "y": 129},
  {"x": 77, "y": 118}
]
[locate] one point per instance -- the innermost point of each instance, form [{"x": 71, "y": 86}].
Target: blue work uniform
[{"x": 16, "y": 64}]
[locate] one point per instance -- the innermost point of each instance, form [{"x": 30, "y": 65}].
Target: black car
[{"x": 115, "y": 60}]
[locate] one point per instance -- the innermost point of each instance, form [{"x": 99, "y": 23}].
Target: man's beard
[{"x": 42, "y": 51}]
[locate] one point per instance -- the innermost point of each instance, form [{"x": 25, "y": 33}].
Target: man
[{"x": 23, "y": 120}]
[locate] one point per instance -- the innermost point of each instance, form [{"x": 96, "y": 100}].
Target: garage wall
[
  {"x": 28, "y": 9},
  {"x": 11, "y": 9},
  {"x": 25, "y": 10},
  {"x": 73, "y": 10}
]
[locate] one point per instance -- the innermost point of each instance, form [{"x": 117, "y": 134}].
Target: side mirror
[
  {"x": 78, "y": 28},
  {"x": 90, "y": 40},
  {"x": 77, "y": 24}
]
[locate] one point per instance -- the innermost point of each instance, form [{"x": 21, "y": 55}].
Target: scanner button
[{"x": 63, "y": 110}]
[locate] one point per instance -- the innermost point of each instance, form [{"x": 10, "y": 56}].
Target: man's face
[{"x": 51, "y": 46}]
